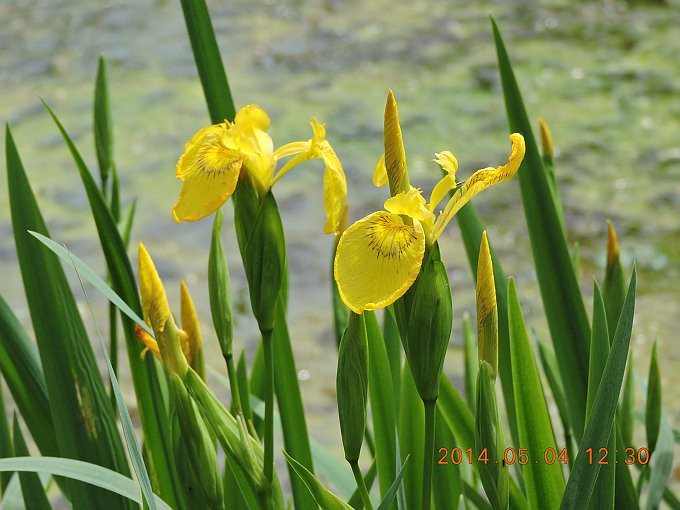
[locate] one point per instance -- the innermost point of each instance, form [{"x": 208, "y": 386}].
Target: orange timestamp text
[{"x": 522, "y": 456}]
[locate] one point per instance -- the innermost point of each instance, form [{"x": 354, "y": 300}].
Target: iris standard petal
[
  {"x": 380, "y": 173},
  {"x": 378, "y": 258},
  {"x": 481, "y": 180}
]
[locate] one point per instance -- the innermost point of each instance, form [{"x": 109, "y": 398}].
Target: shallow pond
[{"x": 603, "y": 74}]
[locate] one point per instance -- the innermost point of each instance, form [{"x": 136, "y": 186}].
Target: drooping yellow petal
[
  {"x": 210, "y": 171},
  {"x": 449, "y": 163},
  {"x": 190, "y": 326},
  {"x": 380, "y": 173},
  {"x": 411, "y": 204},
  {"x": 155, "y": 306},
  {"x": 481, "y": 180},
  {"x": 150, "y": 345},
  {"x": 378, "y": 258},
  {"x": 395, "y": 156},
  {"x": 334, "y": 181}
]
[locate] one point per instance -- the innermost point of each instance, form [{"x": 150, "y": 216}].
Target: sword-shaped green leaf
[{"x": 562, "y": 300}]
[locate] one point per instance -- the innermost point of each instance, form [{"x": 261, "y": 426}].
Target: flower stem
[
  {"x": 428, "y": 457},
  {"x": 233, "y": 384},
  {"x": 267, "y": 347},
  {"x": 363, "y": 491}
]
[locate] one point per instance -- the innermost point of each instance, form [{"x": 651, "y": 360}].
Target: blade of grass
[
  {"x": 393, "y": 348},
  {"x": 103, "y": 133},
  {"x": 6, "y": 443},
  {"x": 322, "y": 496},
  {"x": 411, "y": 433},
  {"x": 31, "y": 486},
  {"x": 20, "y": 366},
  {"x": 91, "y": 474},
  {"x": 603, "y": 492},
  {"x": 381, "y": 396},
  {"x": 562, "y": 300},
  {"x": 145, "y": 378},
  {"x": 661, "y": 464},
  {"x": 208, "y": 60},
  {"x": 83, "y": 418},
  {"x": 291, "y": 410},
  {"x": 584, "y": 475},
  {"x": 471, "y": 360},
  {"x": 392, "y": 493},
  {"x": 446, "y": 479},
  {"x": 544, "y": 482}
]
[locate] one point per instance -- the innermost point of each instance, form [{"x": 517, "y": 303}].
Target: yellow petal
[
  {"x": 612, "y": 245},
  {"x": 481, "y": 180},
  {"x": 217, "y": 130},
  {"x": 380, "y": 173},
  {"x": 449, "y": 163},
  {"x": 154, "y": 300},
  {"x": 190, "y": 324},
  {"x": 334, "y": 181},
  {"x": 378, "y": 258},
  {"x": 395, "y": 157},
  {"x": 291, "y": 149},
  {"x": 334, "y": 189},
  {"x": 149, "y": 343},
  {"x": 252, "y": 117},
  {"x": 210, "y": 171},
  {"x": 411, "y": 204}
]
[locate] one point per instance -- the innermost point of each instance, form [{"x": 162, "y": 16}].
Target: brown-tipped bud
[
  {"x": 194, "y": 351},
  {"x": 487, "y": 311},
  {"x": 546, "y": 139},
  {"x": 395, "y": 156}
]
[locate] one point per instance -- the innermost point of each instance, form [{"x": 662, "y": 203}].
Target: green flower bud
[
  {"x": 489, "y": 440},
  {"x": 352, "y": 385},
  {"x": 263, "y": 250},
  {"x": 245, "y": 450},
  {"x": 219, "y": 288},
  {"x": 196, "y": 450},
  {"x": 424, "y": 316},
  {"x": 653, "y": 406}
]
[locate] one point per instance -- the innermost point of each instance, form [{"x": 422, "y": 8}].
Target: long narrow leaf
[
  {"x": 411, "y": 434},
  {"x": 83, "y": 419},
  {"x": 208, "y": 60},
  {"x": 92, "y": 474},
  {"x": 381, "y": 396},
  {"x": 6, "y": 443},
  {"x": 596, "y": 435},
  {"x": 544, "y": 482},
  {"x": 323, "y": 497},
  {"x": 394, "y": 488},
  {"x": 562, "y": 300},
  {"x": 32, "y": 489}
]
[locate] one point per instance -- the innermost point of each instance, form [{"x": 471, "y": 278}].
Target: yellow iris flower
[
  {"x": 379, "y": 257},
  {"x": 216, "y": 156}
]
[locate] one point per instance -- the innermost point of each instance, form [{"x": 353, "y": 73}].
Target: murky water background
[{"x": 605, "y": 75}]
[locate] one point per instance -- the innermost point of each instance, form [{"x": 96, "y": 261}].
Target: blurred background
[{"x": 604, "y": 75}]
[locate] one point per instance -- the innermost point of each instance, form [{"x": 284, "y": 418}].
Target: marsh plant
[{"x": 410, "y": 438}]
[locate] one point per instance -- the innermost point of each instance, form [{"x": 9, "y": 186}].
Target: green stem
[
  {"x": 113, "y": 349},
  {"x": 428, "y": 457},
  {"x": 363, "y": 491},
  {"x": 267, "y": 348},
  {"x": 233, "y": 385}
]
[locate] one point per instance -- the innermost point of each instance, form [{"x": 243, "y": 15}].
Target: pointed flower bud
[
  {"x": 219, "y": 289},
  {"x": 157, "y": 314},
  {"x": 614, "y": 287},
  {"x": 192, "y": 330},
  {"x": 352, "y": 386},
  {"x": 487, "y": 311},
  {"x": 395, "y": 156},
  {"x": 546, "y": 139}
]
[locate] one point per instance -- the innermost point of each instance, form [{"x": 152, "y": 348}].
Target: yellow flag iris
[
  {"x": 217, "y": 155},
  {"x": 379, "y": 257}
]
